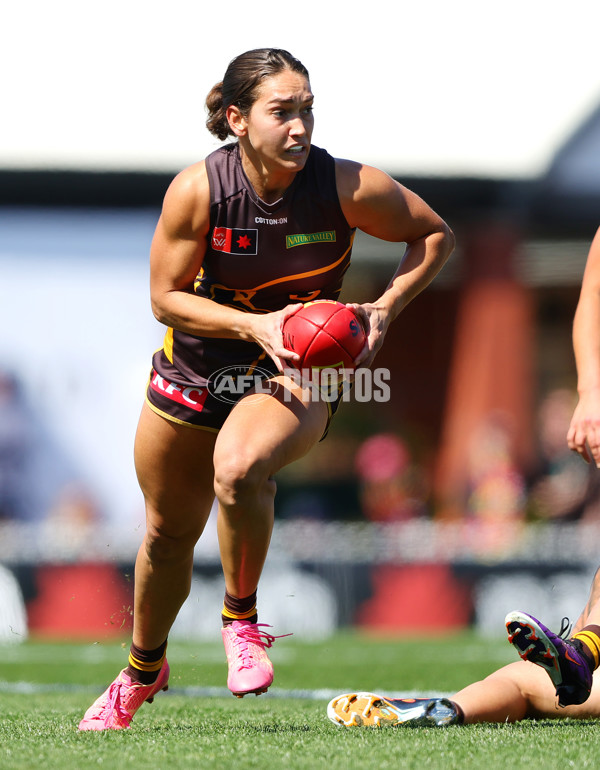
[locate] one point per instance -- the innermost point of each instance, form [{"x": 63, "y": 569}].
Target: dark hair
[{"x": 241, "y": 82}]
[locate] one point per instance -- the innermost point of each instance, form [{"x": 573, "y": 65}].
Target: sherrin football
[{"x": 325, "y": 334}]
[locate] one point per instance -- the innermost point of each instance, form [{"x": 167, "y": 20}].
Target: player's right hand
[
  {"x": 267, "y": 331},
  {"x": 583, "y": 435}
]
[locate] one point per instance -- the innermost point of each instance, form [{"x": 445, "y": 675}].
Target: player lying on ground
[
  {"x": 552, "y": 666},
  {"x": 523, "y": 690}
]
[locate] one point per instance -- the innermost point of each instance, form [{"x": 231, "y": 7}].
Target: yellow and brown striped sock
[
  {"x": 235, "y": 608},
  {"x": 145, "y": 665},
  {"x": 589, "y": 636}
]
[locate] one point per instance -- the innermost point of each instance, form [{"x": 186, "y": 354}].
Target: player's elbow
[
  {"x": 160, "y": 310},
  {"x": 448, "y": 239}
]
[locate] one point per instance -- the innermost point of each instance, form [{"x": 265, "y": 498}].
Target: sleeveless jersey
[{"x": 261, "y": 257}]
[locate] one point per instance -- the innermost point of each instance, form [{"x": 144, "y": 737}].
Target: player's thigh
[
  {"x": 591, "y": 708},
  {"x": 175, "y": 470},
  {"x": 271, "y": 427},
  {"x": 540, "y": 694}
]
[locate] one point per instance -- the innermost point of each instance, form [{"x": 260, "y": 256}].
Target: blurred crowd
[
  {"x": 383, "y": 479},
  {"x": 39, "y": 481},
  {"x": 378, "y": 477}
]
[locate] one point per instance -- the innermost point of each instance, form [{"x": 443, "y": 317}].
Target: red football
[{"x": 324, "y": 333}]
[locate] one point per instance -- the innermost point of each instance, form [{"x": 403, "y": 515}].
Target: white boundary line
[{"x": 34, "y": 688}]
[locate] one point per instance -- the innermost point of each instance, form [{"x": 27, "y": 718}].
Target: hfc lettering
[{"x": 191, "y": 397}]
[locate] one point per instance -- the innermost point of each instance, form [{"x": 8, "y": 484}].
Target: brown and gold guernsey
[{"x": 261, "y": 257}]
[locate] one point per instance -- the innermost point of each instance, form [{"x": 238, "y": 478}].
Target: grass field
[{"x": 45, "y": 688}]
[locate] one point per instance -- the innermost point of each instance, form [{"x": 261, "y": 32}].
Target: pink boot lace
[{"x": 249, "y": 635}]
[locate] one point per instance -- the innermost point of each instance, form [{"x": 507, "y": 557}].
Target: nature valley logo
[{"x": 303, "y": 238}]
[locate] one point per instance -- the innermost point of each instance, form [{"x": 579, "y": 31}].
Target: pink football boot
[
  {"x": 250, "y": 669},
  {"x": 115, "y": 708}
]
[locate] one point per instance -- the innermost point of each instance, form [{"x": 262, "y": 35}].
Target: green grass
[{"x": 39, "y": 729}]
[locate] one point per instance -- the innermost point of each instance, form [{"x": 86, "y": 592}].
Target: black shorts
[{"x": 206, "y": 406}]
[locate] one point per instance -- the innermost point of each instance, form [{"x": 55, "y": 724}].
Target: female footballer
[
  {"x": 558, "y": 672},
  {"x": 556, "y": 678},
  {"x": 223, "y": 280}
]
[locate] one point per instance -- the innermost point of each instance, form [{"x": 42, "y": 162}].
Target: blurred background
[{"x": 439, "y": 510}]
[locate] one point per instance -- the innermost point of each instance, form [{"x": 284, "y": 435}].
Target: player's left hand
[{"x": 375, "y": 321}]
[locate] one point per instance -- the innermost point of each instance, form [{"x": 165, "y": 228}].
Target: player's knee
[
  {"x": 239, "y": 481},
  {"x": 162, "y": 546}
]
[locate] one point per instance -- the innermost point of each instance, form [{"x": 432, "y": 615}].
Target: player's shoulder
[
  {"x": 363, "y": 188},
  {"x": 187, "y": 199},
  {"x": 352, "y": 175},
  {"x": 191, "y": 182}
]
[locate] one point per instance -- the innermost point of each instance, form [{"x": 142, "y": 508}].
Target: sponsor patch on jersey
[
  {"x": 234, "y": 240},
  {"x": 302, "y": 239},
  {"x": 191, "y": 397}
]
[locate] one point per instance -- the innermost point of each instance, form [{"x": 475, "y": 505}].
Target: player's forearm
[
  {"x": 586, "y": 340},
  {"x": 201, "y": 317},
  {"x": 586, "y": 324},
  {"x": 422, "y": 261}
]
